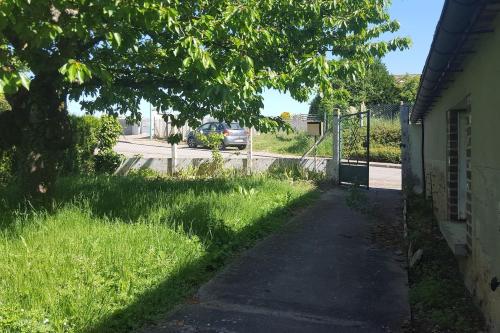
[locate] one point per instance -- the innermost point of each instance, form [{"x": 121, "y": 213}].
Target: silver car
[{"x": 234, "y": 135}]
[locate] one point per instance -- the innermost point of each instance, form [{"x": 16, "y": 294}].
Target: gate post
[
  {"x": 404, "y": 117},
  {"x": 173, "y": 168},
  {"x": 336, "y": 147},
  {"x": 249, "y": 168}
]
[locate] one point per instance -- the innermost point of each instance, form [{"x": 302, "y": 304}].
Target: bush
[
  {"x": 91, "y": 135},
  {"x": 385, "y": 154},
  {"x": 107, "y": 161},
  {"x": 108, "y": 133},
  {"x": 385, "y": 133},
  {"x": 79, "y": 158}
]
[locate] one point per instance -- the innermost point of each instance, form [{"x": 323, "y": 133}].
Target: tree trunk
[{"x": 41, "y": 118}]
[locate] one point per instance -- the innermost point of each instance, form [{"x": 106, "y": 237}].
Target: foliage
[
  {"x": 214, "y": 141},
  {"x": 285, "y": 115},
  {"x": 386, "y": 154},
  {"x": 321, "y": 105},
  {"x": 116, "y": 252},
  {"x": 294, "y": 172},
  {"x": 438, "y": 297},
  {"x": 197, "y": 58},
  {"x": 107, "y": 161},
  {"x": 384, "y": 145},
  {"x": 407, "y": 88},
  {"x": 191, "y": 52},
  {"x": 4, "y": 105},
  {"x": 92, "y": 145},
  {"x": 376, "y": 87},
  {"x": 79, "y": 157},
  {"x": 6, "y": 167},
  {"x": 108, "y": 133},
  {"x": 385, "y": 132},
  {"x": 174, "y": 138}
]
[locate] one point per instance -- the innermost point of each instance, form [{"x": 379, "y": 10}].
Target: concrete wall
[
  {"x": 163, "y": 165},
  {"x": 478, "y": 86},
  {"x": 415, "y": 151}
]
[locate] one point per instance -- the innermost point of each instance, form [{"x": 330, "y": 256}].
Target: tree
[
  {"x": 196, "y": 57},
  {"x": 376, "y": 86},
  {"x": 285, "y": 115},
  {"x": 407, "y": 87}
]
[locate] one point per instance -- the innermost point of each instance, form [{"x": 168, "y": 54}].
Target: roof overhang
[{"x": 461, "y": 24}]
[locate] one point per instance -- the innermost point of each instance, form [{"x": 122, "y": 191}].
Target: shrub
[
  {"x": 215, "y": 166},
  {"x": 107, "y": 161},
  {"x": 91, "y": 135},
  {"x": 385, "y": 133},
  {"x": 79, "y": 158},
  {"x": 108, "y": 133},
  {"x": 385, "y": 154}
]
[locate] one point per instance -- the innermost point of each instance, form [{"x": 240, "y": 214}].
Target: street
[{"x": 381, "y": 175}]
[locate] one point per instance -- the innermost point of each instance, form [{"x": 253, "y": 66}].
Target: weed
[{"x": 438, "y": 297}]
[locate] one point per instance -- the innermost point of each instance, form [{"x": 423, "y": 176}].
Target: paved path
[{"x": 323, "y": 273}]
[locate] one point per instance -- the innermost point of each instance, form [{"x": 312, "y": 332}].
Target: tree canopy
[
  {"x": 195, "y": 57},
  {"x": 200, "y": 57},
  {"x": 377, "y": 86}
]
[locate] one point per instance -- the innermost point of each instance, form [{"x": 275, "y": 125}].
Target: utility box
[{"x": 315, "y": 128}]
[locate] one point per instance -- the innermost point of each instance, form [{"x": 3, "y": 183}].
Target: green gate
[{"x": 355, "y": 149}]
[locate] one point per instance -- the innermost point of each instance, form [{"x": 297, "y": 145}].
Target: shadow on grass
[
  {"x": 132, "y": 198},
  {"x": 126, "y": 198},
  {"x": 222, "y": 245}
]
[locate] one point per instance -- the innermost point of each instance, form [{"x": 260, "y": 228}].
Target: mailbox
[{"x": 315, "y": 128}]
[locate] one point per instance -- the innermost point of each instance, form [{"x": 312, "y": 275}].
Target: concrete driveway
[
  {"x": 325, "y": 272},
  {"x": 382, "y": 175}
]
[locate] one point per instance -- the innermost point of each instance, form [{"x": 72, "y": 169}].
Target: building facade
[{"x": 457, "y": 115}]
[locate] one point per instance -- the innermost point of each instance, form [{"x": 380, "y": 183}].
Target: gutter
[{"x": 452, "y": 31}]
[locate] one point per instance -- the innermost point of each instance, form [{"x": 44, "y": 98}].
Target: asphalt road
[{"x": 381, "y": 175}]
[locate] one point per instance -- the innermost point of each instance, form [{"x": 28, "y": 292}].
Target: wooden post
[
  {"x": 250, "y": 151},
  {"x": 405, "y": 145},
  {"x": 336, "y": 147}
]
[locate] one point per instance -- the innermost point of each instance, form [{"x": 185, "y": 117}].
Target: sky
[{"x": 418, "y": 19}]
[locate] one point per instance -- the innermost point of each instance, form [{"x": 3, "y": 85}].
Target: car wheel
[
  {"x": 241, "y": 147},
  {"x": 222, "y": 146},
  {"x": 191, "y": 142}
]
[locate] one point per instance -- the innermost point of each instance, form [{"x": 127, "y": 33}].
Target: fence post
[
  {"x": 250, "y": 151},
  {"x": 174, "y": 152},
  {"x": 336, "y": 147},
  {"x": 405, "y": 145}
]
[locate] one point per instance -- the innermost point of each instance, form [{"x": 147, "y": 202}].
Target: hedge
[{"x": 91, "y": 149}]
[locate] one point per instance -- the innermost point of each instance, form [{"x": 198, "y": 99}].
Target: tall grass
[{"x": 111, "y": 253}]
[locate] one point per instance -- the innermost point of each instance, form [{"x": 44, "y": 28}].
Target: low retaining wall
[{"x": 164, "y": 165}]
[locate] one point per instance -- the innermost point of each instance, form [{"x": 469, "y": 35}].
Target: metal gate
[{"x": 355, "y": 149}]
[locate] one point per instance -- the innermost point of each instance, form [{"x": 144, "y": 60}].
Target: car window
[
  {"x": 213, "y": 126},
  {"x": 235, "y": 126},
  {"x": 205, "y": 127}
]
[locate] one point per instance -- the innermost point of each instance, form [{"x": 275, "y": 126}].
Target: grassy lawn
[
  {"x": 298, "y": 143},
  {"x": 114, "y": 252}
]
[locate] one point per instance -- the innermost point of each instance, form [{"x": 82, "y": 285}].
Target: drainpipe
[{"x": 424, "y": 185}]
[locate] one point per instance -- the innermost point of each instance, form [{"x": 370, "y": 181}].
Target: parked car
[{"x": 234, "y": 135}]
